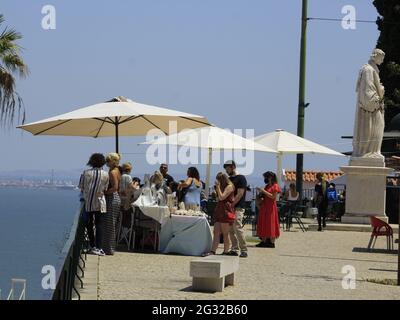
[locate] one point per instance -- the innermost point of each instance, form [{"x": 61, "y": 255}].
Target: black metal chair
[
  {"x": 147, "y": 227},
  {"x": 283, "y": 210},
  {"x": 210, "y": 207},
  {"x": 249, "y": 216},
  {"x": 125, "y": 227},
  {"x": 296, "y": 212}
]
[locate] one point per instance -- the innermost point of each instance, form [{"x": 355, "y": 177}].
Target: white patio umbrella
[
  {"x": 211, "y": 138},
  {"x": 284, "y": 142},
  {"x": 118, "y": 117}
]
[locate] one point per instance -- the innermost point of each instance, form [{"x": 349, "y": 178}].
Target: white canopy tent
[
  {"x": 284, "y": 142},
  {"x": 211, "y": 138},
  {"x": 118, "y": 117}
]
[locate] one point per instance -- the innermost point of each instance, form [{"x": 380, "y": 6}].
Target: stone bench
[{"x": 213, "y": 273}]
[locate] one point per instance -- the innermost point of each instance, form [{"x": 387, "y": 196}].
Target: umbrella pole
[
  {"x": 116, "y": 136},
  {"x": 279, "y": 169},
  {"x": 208, "y": 172},
  {"x": 302, "y": 92}
]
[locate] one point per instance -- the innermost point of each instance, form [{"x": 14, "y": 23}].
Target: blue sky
[{"x": 235, "y": 62}]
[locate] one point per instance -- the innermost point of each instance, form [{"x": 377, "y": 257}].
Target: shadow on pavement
[{"x": 366, "y": 250}]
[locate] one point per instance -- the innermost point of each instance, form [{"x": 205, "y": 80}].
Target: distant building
[{"x": 309, "y": 179}]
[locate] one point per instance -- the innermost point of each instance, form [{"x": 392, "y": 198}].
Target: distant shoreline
[{"x": 71, "y": 188}]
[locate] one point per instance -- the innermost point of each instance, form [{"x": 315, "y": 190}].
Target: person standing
[
  {"x": 224, "y": 213},
  {"x": 237, "y": 233},
  {"x": 94, "y": 183},
  {"x": 126, "y": 190},
  {"x": 168, "y": 180},
  {"x": 113, "y": 204},
  {"x": 193, "y": 188},
  {"x": 321, "y": 199},
  {"x": 332, "y": 195},
  {"x": 126, "y": 185},
  {"x": 268, "y": 219}
]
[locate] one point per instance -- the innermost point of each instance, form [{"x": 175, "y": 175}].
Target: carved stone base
[
  {"x": 365, "y": 193},
  {"x": 359, "y": 219},
  {"x": 367, "y": 162}
]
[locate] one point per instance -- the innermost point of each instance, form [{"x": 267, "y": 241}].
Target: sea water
[{"x": 34, "y": 225}]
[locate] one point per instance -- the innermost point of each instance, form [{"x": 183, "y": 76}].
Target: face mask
[{"x": 266, "y": 181}]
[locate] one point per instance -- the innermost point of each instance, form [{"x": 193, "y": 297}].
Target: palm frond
[
  {"x": 11, "y": 104},
  {"x": 10, "y": 101},
  {"x": 14, "y": 63},
  {"x": 10, "y": 36}
]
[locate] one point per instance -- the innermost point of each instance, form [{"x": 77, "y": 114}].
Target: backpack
[{"x": 332, "y": 195}]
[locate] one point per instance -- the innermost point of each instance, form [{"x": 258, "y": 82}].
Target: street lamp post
[{"x": 302, "y": 90}]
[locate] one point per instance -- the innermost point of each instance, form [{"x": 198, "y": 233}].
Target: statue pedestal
[
  {"x": 367, "y": 162},
  {"x": 365, "y": 191}
]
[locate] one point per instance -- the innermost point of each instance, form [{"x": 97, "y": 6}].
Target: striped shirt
[{"x": 93, "y": 183}]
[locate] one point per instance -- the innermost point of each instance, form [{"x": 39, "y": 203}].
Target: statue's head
[{"x": 378, "y": 56}]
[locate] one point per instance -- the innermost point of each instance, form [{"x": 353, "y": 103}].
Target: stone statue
[{"x": 369, "y": 121}]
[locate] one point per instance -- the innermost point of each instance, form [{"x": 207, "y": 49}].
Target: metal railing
[
  {"x": 71, "y": 254},
  {"x": 12, "y": 294},
  {"x": 309, "y": 193}
]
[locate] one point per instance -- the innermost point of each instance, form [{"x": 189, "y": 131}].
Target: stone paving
[{"x": 302, "y": 266}]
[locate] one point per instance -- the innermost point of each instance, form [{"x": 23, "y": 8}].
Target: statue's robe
[{"x": 369, "y": 121}]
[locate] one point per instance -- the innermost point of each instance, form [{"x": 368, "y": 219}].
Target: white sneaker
[
  {"x": 94, "y": 250},
  {"x": 100, "y": 252},
  {"x": 87, "y": 250}
]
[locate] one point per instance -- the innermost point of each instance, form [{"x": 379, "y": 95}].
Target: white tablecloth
[
  {"x": 156, "y": 212},
  {"x": 150, "y": 208},
  {"x": 185, "y": 235}
]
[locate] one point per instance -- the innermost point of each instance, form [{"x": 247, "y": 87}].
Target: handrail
[
  {"x": 71, "y": 254},
  {"x": 74, "y": 228},
  {"x": 22, "y": 295}
]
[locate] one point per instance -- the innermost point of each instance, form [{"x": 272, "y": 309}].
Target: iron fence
[{"x": 71, "y": 257}]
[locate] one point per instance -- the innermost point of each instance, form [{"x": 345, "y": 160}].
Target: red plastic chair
[{"x": 380, "y": 228}]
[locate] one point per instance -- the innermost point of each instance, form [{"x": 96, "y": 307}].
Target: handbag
[
  {"x": 225, "y": 211},
  {"x": 230, "y": 214},
  {"x": 259, "y": 200}
]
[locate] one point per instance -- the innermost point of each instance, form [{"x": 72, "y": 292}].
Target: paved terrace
[{"x": 302, "y": 266}]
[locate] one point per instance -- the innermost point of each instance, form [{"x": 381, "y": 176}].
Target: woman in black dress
[{"x": 321, "y": 199}]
